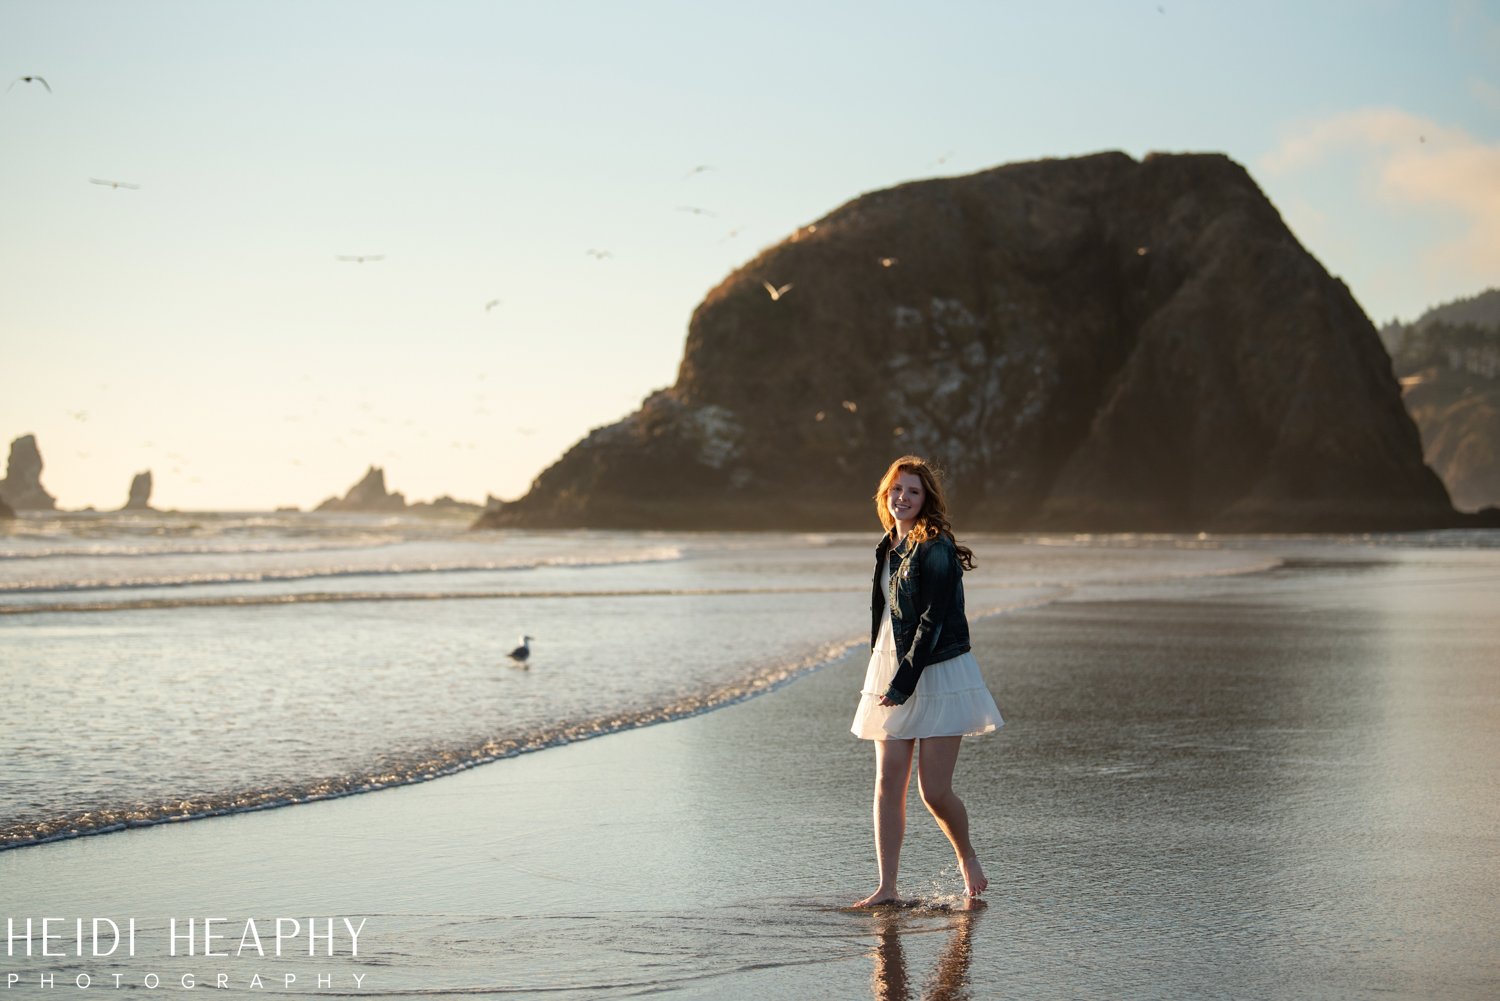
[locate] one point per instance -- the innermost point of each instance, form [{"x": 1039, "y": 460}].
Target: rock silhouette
[
  {"x": 22, "y": 487},
  {"x": 369, "y": 494},
  {"x": 1085, "y": 344},
  {"x": 140, "y": 493},
  {"x": 444, "y": 505}
]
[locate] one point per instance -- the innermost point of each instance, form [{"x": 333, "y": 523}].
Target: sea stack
[
  {"x": 369, "y": 494},
  {"x": 140, "y": 493},
  {"x": 22, "y": 487},
  {"x": 1089, "y": 344}
]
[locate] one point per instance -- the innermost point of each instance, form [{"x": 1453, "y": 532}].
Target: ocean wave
[
  {"x": 121, "y": 551},
  {"x": 658, "y": 555},
  {"x": 328, "y": 597},
  {"x": 419, "y": 766},
  {"x": 320, "y": 597},
  {"x": 425, "y": 762}
]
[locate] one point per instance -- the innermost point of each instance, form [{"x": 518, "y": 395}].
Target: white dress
[{"x": 951, "y": 698}]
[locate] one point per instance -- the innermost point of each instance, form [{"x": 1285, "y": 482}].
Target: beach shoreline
[
  {"x": 1245, "y": 787},
  {"x": 236, "y": 630}
]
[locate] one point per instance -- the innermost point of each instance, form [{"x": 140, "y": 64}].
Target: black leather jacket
[{"x": 927, "y": 616}]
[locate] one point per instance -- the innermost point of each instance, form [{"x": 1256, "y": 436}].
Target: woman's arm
[{"x": 937, "y": 583}]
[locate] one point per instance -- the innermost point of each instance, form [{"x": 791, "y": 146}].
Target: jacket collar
[{"x": 884, "y": 546}]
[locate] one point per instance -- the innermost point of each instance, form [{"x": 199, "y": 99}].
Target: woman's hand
[{"x": 886, "y": 701}]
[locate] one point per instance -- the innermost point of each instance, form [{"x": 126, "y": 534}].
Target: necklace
[{"x": 900, "y": 571}]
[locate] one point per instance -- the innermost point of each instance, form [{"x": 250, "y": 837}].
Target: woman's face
[{"x": 905, "y": 497}]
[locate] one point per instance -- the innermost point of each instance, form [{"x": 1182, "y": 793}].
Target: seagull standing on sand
[{"x": 523, "y": 652}]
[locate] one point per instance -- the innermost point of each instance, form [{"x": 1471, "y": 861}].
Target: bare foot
[
  {"x": 974, "y": 878},
  {"x": 876, "y": 899}
]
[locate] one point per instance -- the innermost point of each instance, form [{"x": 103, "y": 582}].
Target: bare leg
[
  {"x": 892, "y": 776},
  {"x": 935, "y": 780}
]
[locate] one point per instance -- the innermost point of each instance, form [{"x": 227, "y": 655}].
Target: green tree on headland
[{"x": 1449, "y": 347}]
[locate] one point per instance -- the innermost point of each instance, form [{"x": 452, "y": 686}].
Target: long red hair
[{"x": 932, "y": 521}]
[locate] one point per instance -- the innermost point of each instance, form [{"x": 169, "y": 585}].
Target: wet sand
[{"x": 1280, "y": 785}]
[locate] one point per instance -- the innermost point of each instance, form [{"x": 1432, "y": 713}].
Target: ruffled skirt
[{"x": 951, "y": 698}]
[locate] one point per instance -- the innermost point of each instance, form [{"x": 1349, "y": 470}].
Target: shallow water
[
  {"x": 178, "y": 666},
  {"x": 1284, "y": 785}
]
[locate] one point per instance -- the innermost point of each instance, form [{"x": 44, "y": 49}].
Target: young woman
[{"x": 923, "y": 691}]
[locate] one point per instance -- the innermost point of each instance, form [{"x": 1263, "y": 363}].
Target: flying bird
[
  {"x": 598, "y": 255},
  {"x": 30, "y": 79},
  {"x": 360, "y": 258},
  {"x": 491, "y": 305},
  {"x": 888, "y": 262},
  {"x": 776, "y": 293},
  {"x": 695, "y": 210},
  {"x": 114, "y": 184},
  {"x": 697, "y": 170},
  {"x": 523, "y": 652}
]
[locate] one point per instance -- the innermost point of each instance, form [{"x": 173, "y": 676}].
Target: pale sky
[{"x": 200, "y": 325}]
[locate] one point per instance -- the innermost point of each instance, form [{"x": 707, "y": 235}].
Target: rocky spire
[{"x": 22, "y": 487}]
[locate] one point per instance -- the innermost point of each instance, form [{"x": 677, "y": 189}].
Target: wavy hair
[{"x": 932, "y": 520}]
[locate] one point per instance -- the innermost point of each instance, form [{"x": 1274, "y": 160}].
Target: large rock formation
[
  {"x": 1094, "y": 344},
  {"x": 444, "y": 505},
  {"x": 1448, "y": 361},
  {"x": 369, "y": 494},
  {"x": 22, "y": 487},
  {"x": 140, "y": 493}
]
